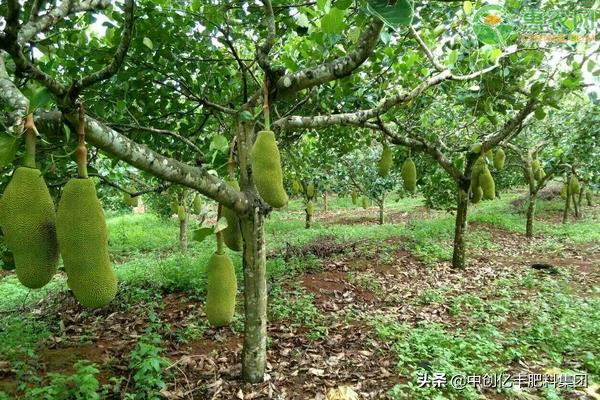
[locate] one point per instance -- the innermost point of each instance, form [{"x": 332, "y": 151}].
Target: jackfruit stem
[
  {"x": 220, "y": 239},
  {"x": 30, "y": 139},
  {"x": 266, "y": 104},
  {"x": 81, "y": 152}
]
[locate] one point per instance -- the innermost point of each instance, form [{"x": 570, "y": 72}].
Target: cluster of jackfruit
[
  {"x": 28, "y": 221},
  {"x": 221, "y": 290},
  {"x": 232, "y": 235},
  {"x": 83, "y": 241},
  {"x": 385, "y": 163},
  {"x": 483, "y": 186},
  {"x": 409, "y": 175},
  {"x": 538, "y": 170},
  {"x": 266, "y": 169}
]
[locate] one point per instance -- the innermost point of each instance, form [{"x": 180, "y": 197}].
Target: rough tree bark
[
  {"x": 381, "y": 210},
  {"x": 325, "y": 201},
  {"x": 567, "y": 203},
  {"x": 308, "y": 222},
  {"x": 183, "y": 236},
  {"x": 531, "y": 213},
  {"x": 460, "y": 227}
]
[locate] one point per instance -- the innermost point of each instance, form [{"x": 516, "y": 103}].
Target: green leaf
[
  {"x": 395, "y": 15},
  {"x": 452, "y": 57},
  {"x": 148, "y": 43},
  {"x": 8, "y": 149},
  {"x": 590, "y": 65},
  {"x": 322, "y": 4},
  {"x": 333, "y": 22},
  {"x": 220, "y": 225},
  {"x": 540, "y": 113},
  {"x": 246, "y": 116},
  {"x": 342, "y": 4},
  {"x": 41, "y": 99},
  {"x": 536, "y": 89},
  {"x": 219, "y": 143},
  {"x": 202, "y": 233}
]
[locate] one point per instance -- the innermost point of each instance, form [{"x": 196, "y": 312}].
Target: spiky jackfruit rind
[
  {"x": 310, "y": 208},
  {"x": 487, "y": 184},
  {"x": 476, "y": 172},
  {"x": 563, "y": 191},
  {"x": 539, "y": 174},
  {"x": 476, "y": 148},
  {"x": 310, "y": 190},
  {"x": 535, "y": 165},
  {"x": 83, "y": 242},
  {"x": 181, "y": 213},
  {"x": 499, "y": 159},
  {"x": 266, "y": 169},
  {"x": 232, "y": 235},
  {"x": 197, "y": 204},
  {"x": 28, "y": 221},
  {"x": 134, "y": 201},
  {"x": 221, "y": 290},
  {"x": 385, "y": 163},
  {"x": 477, "y": 195},
  {"x": 296, "y": 187},
  {"x": 174, "y": 205},
  {"x": 574, "y": 185},
  {"x": 409, "y": 175}
]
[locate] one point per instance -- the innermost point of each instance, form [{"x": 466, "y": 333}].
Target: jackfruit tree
[{"x": 171, "y": 113}]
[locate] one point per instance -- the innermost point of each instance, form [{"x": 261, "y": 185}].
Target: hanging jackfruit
[
  {"x": 181, "y": 213},
  {"x": 385, "y": 163},
  {"x": 221, "y": 290},
  {"x": 486, "y": 181},
  {"x": 310, "y": 190},
  {"x": 232, "y": 235},
  {"x": 266, "y": 167},
  {"x": 475, "y": 173},
  {"x": 574, "y": 185},
  {"x": 539, "y": 174},
  {"x": 409, "y": 175},
  {"x": 476, "y": 148},
  {"x": 564, "y": 191},
  {"x": 197, "y": 204},
  {"x": 477, "y": 195},
  {"x": 174, "y": 206},
  {"x": 365, "y": 203},
  {"x": 296, "y": 187},
  {"x": 535, "y": 165},
  {"x": 28, "y": 221},
  {"x": 310, "y": 208},
  {"x": 83, "y": 242},
  {"x": 489, "y": 155},
  {"x": 589, "y": 196},
  {"x": 354, "y": 198},
  {"x": 499, "y": 159}
]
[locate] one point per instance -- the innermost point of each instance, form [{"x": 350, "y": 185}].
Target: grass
[{"x": 553, "y": 325}]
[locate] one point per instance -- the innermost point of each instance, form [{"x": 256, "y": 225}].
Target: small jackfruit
[
  {"x": 489, "y": 155},
  {"x": 266, "y": 168},
  {"x": 563, "y": 191},
  {"x": 354, "y": 198},
  {"x": 477, "y": 195},
  {"x": 535, "y": 165},
  {"x": 310, "y": 190},
  {"x": 385, "y": 163},
  {"x": 475, "y": 173},
  {"x": 499, "y": 159},
  {"x": 539, "y": 174},
  {"x": 232, "y": 235},
  {"x": 486, "y": 181},
  {"x": 574, "y": 185},
  {"x": 28, "y": 221},
  {"x": 589, "y": 196},
  {"x": 365, "y": 203},
  {"x": 134, "y": 201},
  {"x": 181, "y": 213},
  {"x": 221, "y": 290},
  {"x": 409, "y": 175},
  {"x": 476, "y": 148},
  {"x": 174, "y": 206},
  {"x": 296, "y": 187},
  {"x": 310, "y": 208},
  {"x": 197, "y": 204},
  {"x": 83, "y": 242}
]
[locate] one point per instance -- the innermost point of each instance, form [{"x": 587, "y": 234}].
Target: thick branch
[
  {"x": 159, "y": 131},
  {"x": 11, "y": 95}
]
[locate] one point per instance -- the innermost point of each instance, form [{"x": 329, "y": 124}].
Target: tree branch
[
  {"x": 160, "y": 131},
  {"x": 426, "y": 50}
]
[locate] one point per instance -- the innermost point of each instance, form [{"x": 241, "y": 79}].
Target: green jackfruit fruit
[
  {"x": 310, "y": 208},
  {"x": 476, "y": 148},
  {"x": 126, "y": 198},
  {"x": 232, "y": 235},
  {"x": 475, "y": 173},
  {"x": 310, "y": 190},
  {"x": 296, "y": 187},
  {"x": 499, "y": 159},
  {"x": 486, "y": 181},
  {"x": 134, "y": 201},
  {"x": 354, "y": 198},
  {"x": 266, "y": 167},
  {"x": 83, "y": 242},
  {"x": 539, "y": 174},
  {"x": 477, "y": 195},
  {"x": 489, "y": 155},
  {"x": 385, "y": 163},
  {"x": 365, "y": 203},
  {"x": 181, "y": 213},
  {"x": 174, "y": 206},
  {"x": 535, "y": 165},
  {"x": 563, "y": 191},
  {"x": 221, "y": 290},
  {"x": 409, "y": 175},
  {"x": 28, "y": 221},
  {"x": 197, "y": 204},
  {"x": 574, "y": 185},
  {"x": 589, "y": 196}
]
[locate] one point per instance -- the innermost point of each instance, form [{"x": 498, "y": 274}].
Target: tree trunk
[
  {"x": 531, "y": 214},
  {"x": 567, "y": 205},
  {"x": 254, "y": 356},
  {"x": 575, "y": 205},
  {"x": 308, "y": 223},
  {"x": 458, "y": 257},
  {"x": 381, "y": 209},
  {"x": 324, "y": 201},
  {"x": 183, "y": 236}
]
